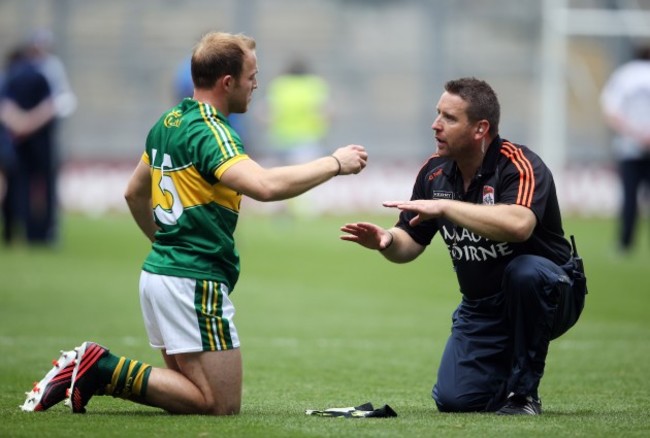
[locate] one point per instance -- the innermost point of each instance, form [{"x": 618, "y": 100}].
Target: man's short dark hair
[{"x": 482, "y": 101}]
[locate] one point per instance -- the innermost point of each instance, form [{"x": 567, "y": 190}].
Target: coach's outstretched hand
[
  {"x": 368, "y": 235},
  {"x": 352, "y": 158}
]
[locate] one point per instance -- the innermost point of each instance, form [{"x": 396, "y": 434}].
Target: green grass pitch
[{"x": 323, "y": 323}]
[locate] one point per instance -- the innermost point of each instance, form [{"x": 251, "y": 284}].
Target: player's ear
[{"x": 227, "y": 81}]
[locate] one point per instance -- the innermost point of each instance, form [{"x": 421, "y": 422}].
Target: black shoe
[
  {"x": 518, "y": 404},
  {"x": 84, "y": 383}
]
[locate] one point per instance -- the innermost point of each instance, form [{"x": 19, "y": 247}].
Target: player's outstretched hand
[
  {"x": 366, "y": 234},
  {"x": 353, "y": 158}
]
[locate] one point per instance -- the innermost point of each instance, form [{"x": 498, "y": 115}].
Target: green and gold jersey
[{"x": 188, "y": 150}]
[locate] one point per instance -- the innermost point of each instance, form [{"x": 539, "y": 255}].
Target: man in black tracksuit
[{"x": 495, "y": 205}]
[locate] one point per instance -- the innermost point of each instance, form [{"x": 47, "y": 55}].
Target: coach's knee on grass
[{"x": 447, "y": 401}]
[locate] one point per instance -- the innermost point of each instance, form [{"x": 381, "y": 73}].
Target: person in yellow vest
[{"x": 298, "y": 117}]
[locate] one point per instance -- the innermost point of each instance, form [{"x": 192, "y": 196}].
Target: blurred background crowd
[{"x": 384, "y": 63}]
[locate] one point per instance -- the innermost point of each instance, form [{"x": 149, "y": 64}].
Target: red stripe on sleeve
[{"x": 526, "y": 174}]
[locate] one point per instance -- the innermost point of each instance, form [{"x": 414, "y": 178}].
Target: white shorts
[{"x": 184, "y": 315}]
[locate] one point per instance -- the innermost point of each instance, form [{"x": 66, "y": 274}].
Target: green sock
[
  {"x": 123, "y": 377},
  {"x": 107, "y": 365}
]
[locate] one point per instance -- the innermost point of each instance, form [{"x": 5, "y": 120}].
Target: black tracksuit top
[{"x": 510, "y": 174}]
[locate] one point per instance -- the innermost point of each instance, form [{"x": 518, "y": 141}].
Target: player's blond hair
[{"x": 218, "y": 54}]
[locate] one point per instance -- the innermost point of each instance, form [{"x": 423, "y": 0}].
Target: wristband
[{"x": 337, "y": 162}]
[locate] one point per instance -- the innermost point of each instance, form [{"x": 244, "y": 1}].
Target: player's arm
[
  {"x": 138, "y": 198},
  {"x": 395, "y": 244},
  {"x": 501, "y": 222},
  {"x": 277, "y": 183}
]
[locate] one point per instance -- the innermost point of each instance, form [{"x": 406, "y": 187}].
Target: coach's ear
[{"x": 482, "y": 129}]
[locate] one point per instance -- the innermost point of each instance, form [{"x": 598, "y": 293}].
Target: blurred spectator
[
  {"x": 40, "y": 45},
  {"x": 7, "y": 185},
  {"x": 625, "y": 101},
  {"x": 298, "y": 113},
  {"x": 27, "y": 111},
  {"x": 298, "y": 116},
  {"x": 183, "y": 85},
  {"x": 8, "y": 159}
]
